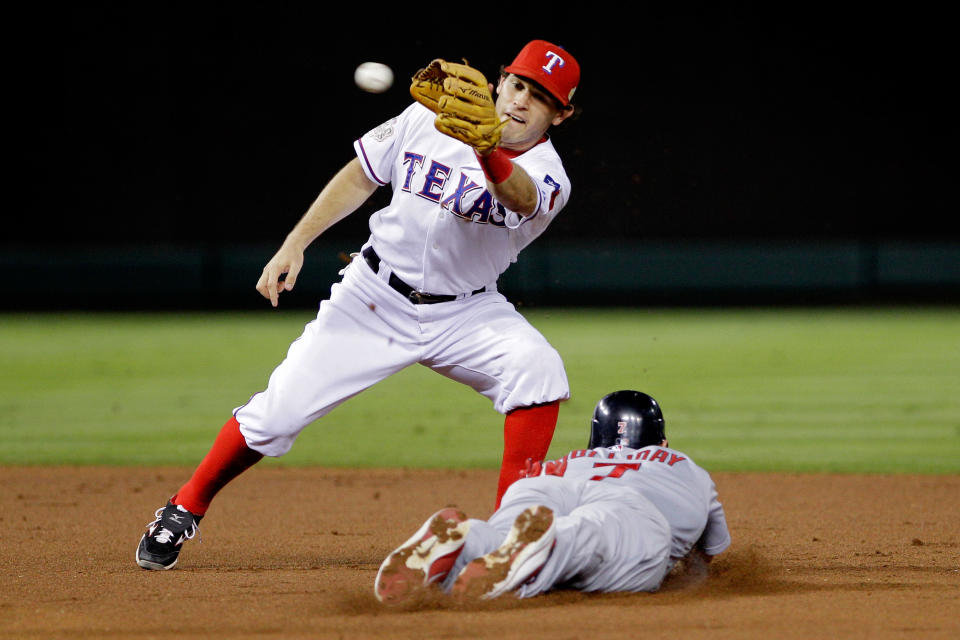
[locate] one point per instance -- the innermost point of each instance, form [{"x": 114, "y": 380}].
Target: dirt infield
[{"x": 292, "y": 553}]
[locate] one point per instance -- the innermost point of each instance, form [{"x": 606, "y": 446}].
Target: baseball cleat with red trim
[
  {"x": 423, "y": 560},
  {"x": 160, "y": 546},
  {"x": 519, "y": 559}
]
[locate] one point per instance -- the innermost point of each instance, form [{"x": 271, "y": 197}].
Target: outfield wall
[{"x": 628, "y": 274}]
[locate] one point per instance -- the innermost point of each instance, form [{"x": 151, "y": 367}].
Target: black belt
[{"x": 406, "y": 290}]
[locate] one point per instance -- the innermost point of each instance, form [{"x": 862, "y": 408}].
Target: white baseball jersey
[
  {"x": 623, "y": 516},
  {"x": 443, "y": 232}
]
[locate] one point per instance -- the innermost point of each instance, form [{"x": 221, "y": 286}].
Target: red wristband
[{"x": 496, "y": 166}]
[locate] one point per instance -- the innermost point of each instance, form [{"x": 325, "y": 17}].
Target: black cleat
[{"x": 160, "y": 545}]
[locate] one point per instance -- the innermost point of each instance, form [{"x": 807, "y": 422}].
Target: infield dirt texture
[
  {"x": 290, "y": 549},
  {"x": 292, "y": 553}
]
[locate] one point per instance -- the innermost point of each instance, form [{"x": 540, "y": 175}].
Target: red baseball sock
[
  {"x": 228, "y": 457},
  {"x": 527, "y": 433}
]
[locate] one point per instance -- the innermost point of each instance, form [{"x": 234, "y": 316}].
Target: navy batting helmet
[{"x": 628, "y": 418}]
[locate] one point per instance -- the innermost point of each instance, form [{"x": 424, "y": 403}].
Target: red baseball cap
[{"x": 549, "y": 65}]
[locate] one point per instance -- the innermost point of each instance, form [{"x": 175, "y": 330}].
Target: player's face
[{"x": 529, "y": 111}]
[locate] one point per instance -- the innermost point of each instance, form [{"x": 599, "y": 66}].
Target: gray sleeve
[{"x": 716, "y": 536}]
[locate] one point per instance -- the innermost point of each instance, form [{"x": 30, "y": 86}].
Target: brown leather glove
[{"x": 461, "y": 98}]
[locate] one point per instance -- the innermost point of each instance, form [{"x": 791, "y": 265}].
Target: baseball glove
[{"x": 461, "y": 98}]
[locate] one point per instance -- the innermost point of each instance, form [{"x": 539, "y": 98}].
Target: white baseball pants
[{"x": 366, "y": 331}]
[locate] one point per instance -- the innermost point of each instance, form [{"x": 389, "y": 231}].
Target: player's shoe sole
[
  {"x": 424, "y": 559},
  {"x": 520, "y": 557}
]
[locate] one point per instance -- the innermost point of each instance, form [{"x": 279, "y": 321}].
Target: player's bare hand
[{"x": 280, "y": 274}]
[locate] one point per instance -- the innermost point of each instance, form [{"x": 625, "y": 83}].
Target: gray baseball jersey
[
  {"x": 623, "y": 516},
  {"x": 680, "y": 489}
]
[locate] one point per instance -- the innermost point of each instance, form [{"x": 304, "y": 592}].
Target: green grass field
[{"x": 798, "y": 390}]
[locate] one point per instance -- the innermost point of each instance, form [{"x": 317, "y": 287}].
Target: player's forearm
[
  {"x": 516, "y": 193},
  {"x": 343, "y": 195}
]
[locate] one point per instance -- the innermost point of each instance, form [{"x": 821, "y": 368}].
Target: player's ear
[
  {"x": 664, "y": 443},
  {"x": 563, "y": 114}
]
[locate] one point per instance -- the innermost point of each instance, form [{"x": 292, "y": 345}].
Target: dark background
[{"x": 216, "y": 125}]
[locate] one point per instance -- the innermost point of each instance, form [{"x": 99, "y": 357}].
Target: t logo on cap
[{"x": 555, "y": 59}]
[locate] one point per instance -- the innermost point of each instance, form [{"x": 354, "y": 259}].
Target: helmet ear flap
[{"x": 628, "y": 418}]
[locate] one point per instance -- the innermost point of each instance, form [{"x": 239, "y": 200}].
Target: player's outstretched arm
[
  {"x": 517, "y": 193},
  {"x": 343, "y": 195}
]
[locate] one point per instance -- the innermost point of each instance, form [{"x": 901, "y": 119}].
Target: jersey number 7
[{"x": 617, "y": 469}]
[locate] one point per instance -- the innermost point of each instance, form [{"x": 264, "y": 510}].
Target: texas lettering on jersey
[
  {"x": 464, "y": 194},
  {"x": 442, "y": 229}
]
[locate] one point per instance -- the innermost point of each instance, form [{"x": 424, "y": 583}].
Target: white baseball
[{"x": 373, "y": 77}]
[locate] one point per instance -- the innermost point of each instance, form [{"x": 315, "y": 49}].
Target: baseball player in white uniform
[
  {"x": 474, "y": 182},
  {"x": 614, "y": 517}
]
